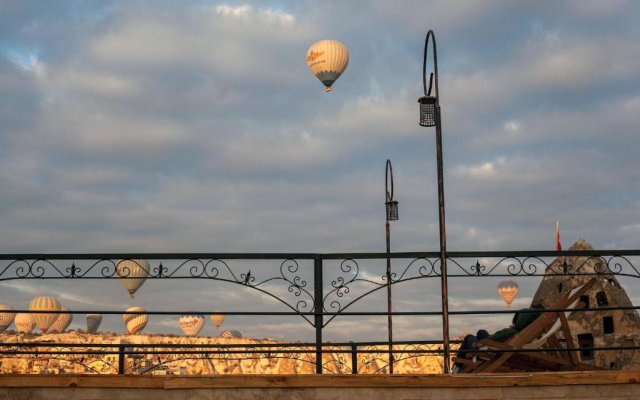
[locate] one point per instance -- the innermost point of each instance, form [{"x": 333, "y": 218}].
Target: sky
[{"x": 196, "y": 126}]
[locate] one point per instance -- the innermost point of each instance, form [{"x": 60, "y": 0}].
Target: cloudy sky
[{"x": 197, "y": 127}]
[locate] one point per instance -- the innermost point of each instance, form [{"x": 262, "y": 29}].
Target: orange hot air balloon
[
  {"x": 508, "y": 290},
  {"x": 231, "y": 334},
  {"x": 93, "y": 322},
  {"x": 25, "y": 323},
  {"x": 327, "y": 60},
  {"x": 45, "y": 303},
  {"x": 135, "y": 322},
  {"x": 191, "y": 325},
  {"x": 62, "y": 323},
  {"x": 133, "y": 273},
  {"x": 6, "y": 316},
  {"x": 217, "y": 319}
]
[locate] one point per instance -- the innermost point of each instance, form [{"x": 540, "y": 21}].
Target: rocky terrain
[{"x": 220, "y": 356}]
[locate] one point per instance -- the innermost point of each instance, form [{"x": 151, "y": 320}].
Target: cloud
[
  {"x": 198, "y": 127},
  {"x": 29, "y": 62},
  {"x": 246, "y": 11}
]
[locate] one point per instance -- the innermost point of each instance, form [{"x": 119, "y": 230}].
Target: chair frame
[{"x": 525, "y": 351}]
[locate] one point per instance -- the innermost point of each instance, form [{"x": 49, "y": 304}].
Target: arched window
[
  {"x": 601, "y": 299},
  {"x": 585, "y": 342},
  {"x": 584, "y": 299},
  {"x": 607, "y": 325}
]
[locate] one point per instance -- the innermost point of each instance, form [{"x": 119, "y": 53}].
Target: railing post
[
  {"x": 121, "y": 356},
  {"x": 317, "y": 308},
  {"x": 354, "y": 358}
]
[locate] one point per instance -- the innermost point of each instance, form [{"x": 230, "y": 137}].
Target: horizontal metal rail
[{"x": 319, "y": 289}]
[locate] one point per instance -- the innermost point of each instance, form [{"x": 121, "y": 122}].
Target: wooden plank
[
  {"x": 82, "y": 381},
  {"x": 542, "y": 324},
  {"x": 568, "y": 338},
  {"x": 339, "y": 381},
  {"x": 551, "y": 362},
  {"x": 554, "y": 343},
  {"x": 399, "y": 381},
  {"x": 464, "y": 361}
]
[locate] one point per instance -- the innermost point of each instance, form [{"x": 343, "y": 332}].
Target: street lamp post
[
  {"x": 430, "y": 116},
  {"x": 391, "y": 215}
]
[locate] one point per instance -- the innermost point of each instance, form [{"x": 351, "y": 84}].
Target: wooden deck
[{"x": 323, "y": 381}]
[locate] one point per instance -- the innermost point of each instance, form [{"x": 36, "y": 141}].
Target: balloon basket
[{"x": 427, "y": 111}]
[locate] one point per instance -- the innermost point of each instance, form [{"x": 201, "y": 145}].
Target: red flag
[{"x": 558, "y": 244}]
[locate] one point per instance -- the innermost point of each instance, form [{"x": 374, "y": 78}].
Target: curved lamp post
[
  {"x": 430, "y": 116},
  {"x": 392, "y": 215}
]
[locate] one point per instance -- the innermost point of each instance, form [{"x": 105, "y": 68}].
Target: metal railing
[{"x": 317, "y": 288}]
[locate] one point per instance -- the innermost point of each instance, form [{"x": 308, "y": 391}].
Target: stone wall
[{"x": 611, "y": 328}]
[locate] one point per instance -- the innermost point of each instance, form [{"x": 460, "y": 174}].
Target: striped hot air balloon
[
  {"x": 63, "y": 321},
  {"x": 93, "y": 322},
  {"x": 25, "y": 323},
  {"x": 133, "y": 273},
  {"x": 508, "y": 290},
  {"x": 217, "y": 320},
  {"x": 45, "y": 303},
  {"x": 191, "y": 325},
  {"x": 135, "y": 322},
  {"x": 327, "y": 60},
  {"x": 6, "y": 317},
  {"x": 231, "y": 334}
]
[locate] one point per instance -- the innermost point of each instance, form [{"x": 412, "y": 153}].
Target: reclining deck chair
[{"x": 541, "y": 334}]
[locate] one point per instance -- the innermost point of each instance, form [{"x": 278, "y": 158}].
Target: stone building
[{"x": 607, "y": 328}]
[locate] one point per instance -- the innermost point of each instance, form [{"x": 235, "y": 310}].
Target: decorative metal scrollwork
[
  {"x": 301, "y": 301},
  {"x": 423, "y": 267},
  {"x": 341, "y": 285},
  {"x": 94, "y": 359}
]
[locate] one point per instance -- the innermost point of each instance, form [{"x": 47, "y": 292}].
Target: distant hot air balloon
[
  {"x": 191, "y": 325},
  {"x": 231, "y": 334},
  {"x": 63, "y": 321},
  {"x": 135, "y": 322},
  {"x": 133, "y": 273},
  {"x": 508, "y": 290},
  {"x": 6, "y": 318},
  {"x": 217, "y": 319},
  {"x": 93, "y": 322},
  {"x": 25, "y": 323},
  {"x": 327, "y": 60},
  {"x": 45, "y": 303}
]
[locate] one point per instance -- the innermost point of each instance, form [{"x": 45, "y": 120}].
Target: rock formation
[
  {"x": 610, "y": 328},
  {"x": 250, "y": 357}
]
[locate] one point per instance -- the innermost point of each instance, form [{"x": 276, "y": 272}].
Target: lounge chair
[{"x": 537, "y": 347}]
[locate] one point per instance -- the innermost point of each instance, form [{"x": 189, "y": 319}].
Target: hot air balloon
[
  {"x": 508, "y": 290},
  {"x": 93, "y": 322},
  {"x": 327, "y": 60},
  {"x": 133, "y": 273},
  {"x": 191, "y": 325},
  {"x": 25, "y": 323},
  {"x": 63, "y": 321},
  {"x": 217, "y": 319},
  {"x": 45, "y": 303},
  {"x": 135, "y": 322},
  {"x": 231, "y": 334},
  {"x": 6, "y": 318}
]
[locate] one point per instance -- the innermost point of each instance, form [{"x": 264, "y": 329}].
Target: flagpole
[{"x": 558, "y": 244}]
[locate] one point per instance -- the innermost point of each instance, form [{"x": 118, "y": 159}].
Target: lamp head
[
  {"x": 427, "y": 111},
  {"x": 392, "y": 210}
]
